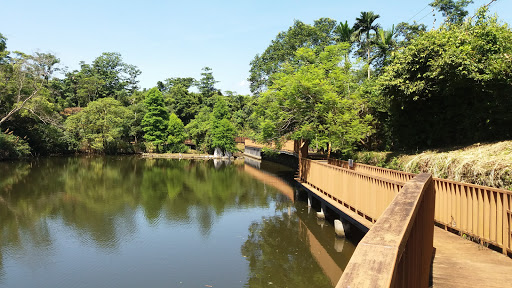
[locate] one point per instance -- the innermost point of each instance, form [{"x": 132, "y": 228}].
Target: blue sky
[{"x": 177, "y": 38}]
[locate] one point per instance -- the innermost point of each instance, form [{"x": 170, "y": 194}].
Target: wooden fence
[
  {"x": 374, "y": 170},
  {"x": 240, "y": 139},
  {"x": 366, "y": 195},
  {"x": 289, "y": 146},
  {"x": 397, "y": 251},
  {"x": 478, "y": 212}
]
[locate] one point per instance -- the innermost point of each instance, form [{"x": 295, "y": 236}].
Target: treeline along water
[{"x": 132, "y": 222}]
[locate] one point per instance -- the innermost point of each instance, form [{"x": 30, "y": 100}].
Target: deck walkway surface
[{"x": 462, "y": 263}]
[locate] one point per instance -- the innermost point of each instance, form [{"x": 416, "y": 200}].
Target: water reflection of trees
[
  {"x": 98, "y": 197},
  {"x": 277, "y": 255}
]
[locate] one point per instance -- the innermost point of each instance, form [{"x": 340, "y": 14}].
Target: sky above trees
[{"x": 167, "y": 39}]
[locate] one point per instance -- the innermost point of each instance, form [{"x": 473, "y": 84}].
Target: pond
[{"x": 134, "y": 222}]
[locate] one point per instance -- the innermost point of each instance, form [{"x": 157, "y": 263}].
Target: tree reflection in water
[
  {"x": 101, "y": 201},
  {"x": 98, "y": 197},
  {"x": 278, "y": 256}
]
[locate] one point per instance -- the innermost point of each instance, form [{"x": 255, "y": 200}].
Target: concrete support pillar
[
  {"x": 310, "y": 200},
  {"x": 339, "y": 229}
]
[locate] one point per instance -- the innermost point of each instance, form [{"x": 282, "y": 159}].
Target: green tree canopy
[
  {"x": 3, "y": 43},
  {"x": 182, "y": 102},
  {"x": 106, "y": 76},
  {"x": 101, "y": 126},
  {"x": 119, "y": 78},
  {"x": 199, "y": 129},
  {"x": 242, "y": 107},
  {"x": 25, "y": 88},
  {"x": 452, "y": 85},
  {"x": 12, "y": 146},
  {"x": 139, "y": 110},
  {"x": 405, "y": 32},
  {"x": 177, "y": 136},
  {"x": 310, "y": 100},
  {"x": 322, "y": 33},
  {"x": 453, "y": 11},
  {"x": 155, "y": 121},
  {"x": 223, "y": 131},
  {"x": 168, "y": 83},
  {"x": 206, "y": 86}
]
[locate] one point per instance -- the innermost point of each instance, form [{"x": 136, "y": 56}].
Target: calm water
[{"x": 131, "y": 222}]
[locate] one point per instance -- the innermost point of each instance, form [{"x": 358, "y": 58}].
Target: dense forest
[{"x": 342, "y": 87}]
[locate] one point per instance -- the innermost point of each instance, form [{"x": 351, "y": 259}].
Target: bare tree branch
[
  {"x": 37, "y": 70},
  {"x": 18, "y": 107}
]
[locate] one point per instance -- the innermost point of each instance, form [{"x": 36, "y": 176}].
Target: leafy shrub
[{"x": 12, "y": 146}]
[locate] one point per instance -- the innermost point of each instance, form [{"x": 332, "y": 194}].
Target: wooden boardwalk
[
  {"x": 377, "y": 193},
  {"x": 462, "y": 263}
]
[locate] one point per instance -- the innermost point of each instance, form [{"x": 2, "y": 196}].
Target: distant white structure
[{"x": 217, "y": 153}]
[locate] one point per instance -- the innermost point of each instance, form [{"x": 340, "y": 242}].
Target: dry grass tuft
[{"x": 483, "y": 164}]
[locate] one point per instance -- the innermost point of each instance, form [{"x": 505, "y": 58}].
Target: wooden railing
[
  {"x": 478, "y": 212},
  {"x": 366, "y": 195},
  {"x": 240, "y": 139},
  {"x": 290, "y": 146},
  {"x": 397, "y": 251},
  {"x": 237, "y": 140},
  {"x": 374, "y": 170}
]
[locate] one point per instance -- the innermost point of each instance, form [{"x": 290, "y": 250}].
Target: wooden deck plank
[{"x": 462, "y": 263}]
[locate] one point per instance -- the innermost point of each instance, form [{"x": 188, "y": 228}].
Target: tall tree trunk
[
  {"x": 304, "y": 149},
  {"x": 303, "y": 154},
  {"x": 368, "y": 61},
  {"x": 328, "y": 150}
]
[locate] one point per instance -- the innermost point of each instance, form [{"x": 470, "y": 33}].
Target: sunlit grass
[{"x": 484, "y": 164}]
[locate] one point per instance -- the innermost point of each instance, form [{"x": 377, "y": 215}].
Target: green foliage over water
[
  {"x": 101, "y": 126},
  {"x": 13, "y": 147}
]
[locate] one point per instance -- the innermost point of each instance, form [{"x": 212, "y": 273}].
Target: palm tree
[
  {"x": 386, "y": 44},
  {"x": 362, "y": 28},
  {"x": 343, "y": 32}
]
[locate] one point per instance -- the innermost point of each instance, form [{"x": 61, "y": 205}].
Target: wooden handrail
[{"x": 397, "y": 251}]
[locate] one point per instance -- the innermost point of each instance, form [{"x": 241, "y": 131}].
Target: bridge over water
[{"x": 400, "y": 210}]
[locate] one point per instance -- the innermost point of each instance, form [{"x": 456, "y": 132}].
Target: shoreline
[{"x": 185, "y": 156}]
